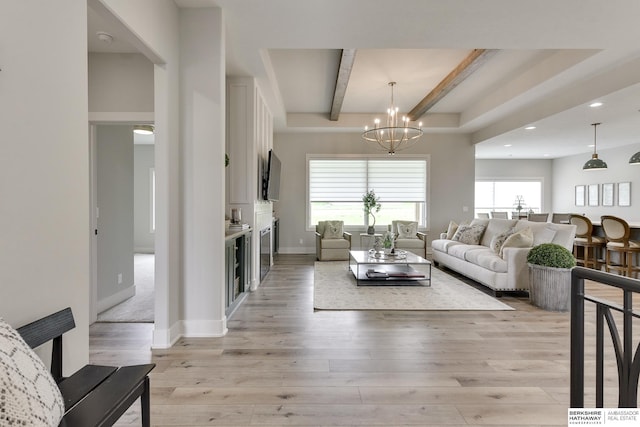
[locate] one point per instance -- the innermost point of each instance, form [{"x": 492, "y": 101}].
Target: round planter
[
  {"x": 549, "y": 287},
  {"x": 371, "y": 230}
]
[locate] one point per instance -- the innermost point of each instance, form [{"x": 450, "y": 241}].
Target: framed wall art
[
  {"x": 579, "y": 195},
  {"x": 624, "y": 194},
  {"x": 593, "y": 195},
  {"x": 607, "y": 194}
]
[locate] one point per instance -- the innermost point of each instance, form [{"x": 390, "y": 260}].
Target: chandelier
[{"x": 393, "y": 137}]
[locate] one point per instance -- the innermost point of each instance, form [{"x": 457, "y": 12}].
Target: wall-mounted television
[{"x": 271, "y": 181}]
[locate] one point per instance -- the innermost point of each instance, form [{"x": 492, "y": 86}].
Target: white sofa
[{"x": 500, "y": 272}]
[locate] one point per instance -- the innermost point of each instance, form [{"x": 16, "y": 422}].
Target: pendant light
[
  {"x": 594, "y": 163},
  {"x": 635, "y": 159}
]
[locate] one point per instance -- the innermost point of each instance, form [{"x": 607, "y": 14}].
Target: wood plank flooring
[{"x": 282, "y": 364}]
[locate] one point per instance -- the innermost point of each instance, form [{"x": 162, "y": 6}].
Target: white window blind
[
  {"x": 341, "y": 180},
  {"x": 398, "y": 180},
  {"x": 337, "y": 180}
]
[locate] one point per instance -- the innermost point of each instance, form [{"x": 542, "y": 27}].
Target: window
[
  {"x": 336, "y": 187},
  {"x": 494, "y": 195}
]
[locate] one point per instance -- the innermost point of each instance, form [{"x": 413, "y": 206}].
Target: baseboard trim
[
  {"x": 296, "y": 250},
  {"x": 115, "y": 299},
  {"x": 166, "y": 338}
]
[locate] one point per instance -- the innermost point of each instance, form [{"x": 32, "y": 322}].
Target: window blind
[{"x": 346, "y": 180}]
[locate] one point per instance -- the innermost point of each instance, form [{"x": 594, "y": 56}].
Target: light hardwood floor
[{"x": 284, "y": 364}]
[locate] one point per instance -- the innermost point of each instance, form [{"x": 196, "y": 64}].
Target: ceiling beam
[
  {"x": 464, "y": 69},
  {"x": 342, "y": 80}
]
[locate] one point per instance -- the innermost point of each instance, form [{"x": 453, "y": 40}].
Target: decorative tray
[{"x": 398, "y": 254}]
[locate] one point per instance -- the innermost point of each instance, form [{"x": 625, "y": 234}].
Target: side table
[{"x": 367, "y": 240}]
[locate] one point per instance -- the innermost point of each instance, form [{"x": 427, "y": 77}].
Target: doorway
[{"x": 123, "y": 206}]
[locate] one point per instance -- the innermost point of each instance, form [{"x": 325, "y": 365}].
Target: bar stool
[
  {"x": 589, "y": 243},
  {"x": 617, "y": 232}
]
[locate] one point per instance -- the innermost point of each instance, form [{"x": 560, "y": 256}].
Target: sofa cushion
[
  {"x": 495, "y": 226},
  {"x": 542, "y": 232},
  {"x": 521, "y": 239},
  {"x": 498, "y": 240},
  {"x": 460, "y": 251},
  {"x": 486, "y": 258},
  {"x": 443, "y": 245},
  {"x": 407, "y": 229},
  {"x": 451, "y": 231},
  {"x": 30, "y": 396},
  {"x": 469, "y": 234},
  {"x": 333, "y": 230},
  {"x": 491, "y": 261},
  {"x": 335, "y": 244}
]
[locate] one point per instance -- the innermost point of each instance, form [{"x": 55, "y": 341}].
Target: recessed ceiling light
[
  {"x": 507, "y": 145},
  {"x": 530, "y": 128},
  {"x": 595, "y": 104},
  {"x": 546, "y": 154},
  {"x": 590, "y": 145}
]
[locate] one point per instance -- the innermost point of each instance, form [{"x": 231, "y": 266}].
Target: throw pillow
[
  {"x": 521, "y": 239},
  {"x": 29, "y": 395},
  {"x": 451, "y": 231},
  {"x": 498, "y": 240},
  {"x": 407, "y": 230},
  {"x": 333, "y": 230},
  {"x": 469, "y": 234}
]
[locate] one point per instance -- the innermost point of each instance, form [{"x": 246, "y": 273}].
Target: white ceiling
[{"x": 554, "y": 59}]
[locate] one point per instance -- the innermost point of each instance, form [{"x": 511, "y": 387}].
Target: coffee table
[{"x": 403, "y": 268}]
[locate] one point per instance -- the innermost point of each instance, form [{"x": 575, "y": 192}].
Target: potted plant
[
  {"x": 387, "y": 242},
  {"x": 550, "y": 267},
  {"x": 371, "y": 204}
]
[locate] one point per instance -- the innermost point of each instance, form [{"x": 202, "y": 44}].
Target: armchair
[
  {"x": 332, "y": 242},
  {"x": 408, "y": 237}
]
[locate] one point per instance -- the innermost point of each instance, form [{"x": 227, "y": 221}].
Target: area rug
[{"x": 334, "y": 288}]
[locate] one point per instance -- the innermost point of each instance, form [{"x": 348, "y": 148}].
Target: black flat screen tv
[{"x": 271, "y": 182}]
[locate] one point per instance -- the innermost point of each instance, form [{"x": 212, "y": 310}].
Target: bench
[{"x": 95, "y": 395}]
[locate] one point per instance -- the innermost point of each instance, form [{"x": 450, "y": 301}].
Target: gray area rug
[
  {"x": 138, "y": 308},
  {"x": 335, "y": 289}
]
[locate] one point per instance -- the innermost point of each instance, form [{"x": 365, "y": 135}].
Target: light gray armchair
[
  {"x": 408, "y": 237},
  {"x": 332, "y": 242}
]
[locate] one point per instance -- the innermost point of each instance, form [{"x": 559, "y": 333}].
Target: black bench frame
[{"x": 95, "y": 395}]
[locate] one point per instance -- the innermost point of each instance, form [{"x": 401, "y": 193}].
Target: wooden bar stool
[
  {"x": 617, "y": 233},
  {"x": 586, "y": 246}
]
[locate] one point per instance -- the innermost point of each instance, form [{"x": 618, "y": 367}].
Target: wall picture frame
[
  {"x": 579, "y": 195},
  {"x": 624, "y": 194},
  {"x": 594, "y": 196},
  {"x": 607, "y": 194}
]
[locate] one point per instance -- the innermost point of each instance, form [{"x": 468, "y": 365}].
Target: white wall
[
  {"x": 120, "y": 82},
  {"x": 519, "y": 169},
  {"x": 451, "y": 177},
  {"x": 115, "y": 221},
  {"x": 44, "y": 167},
  {"x": 567, "y": 173},
  {"x": 156, "y": 25},
  {"x": 202, "y": 100},
  {"x": 143, "y": 162}
]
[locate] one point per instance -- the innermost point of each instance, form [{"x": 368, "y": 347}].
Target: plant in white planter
[{"x": 550, "y": 267}]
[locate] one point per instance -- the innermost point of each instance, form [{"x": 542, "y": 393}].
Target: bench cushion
[{"x": 30, "y": 394}]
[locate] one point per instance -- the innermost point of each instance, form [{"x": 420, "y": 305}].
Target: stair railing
[{"x": 627, "y": 359}]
